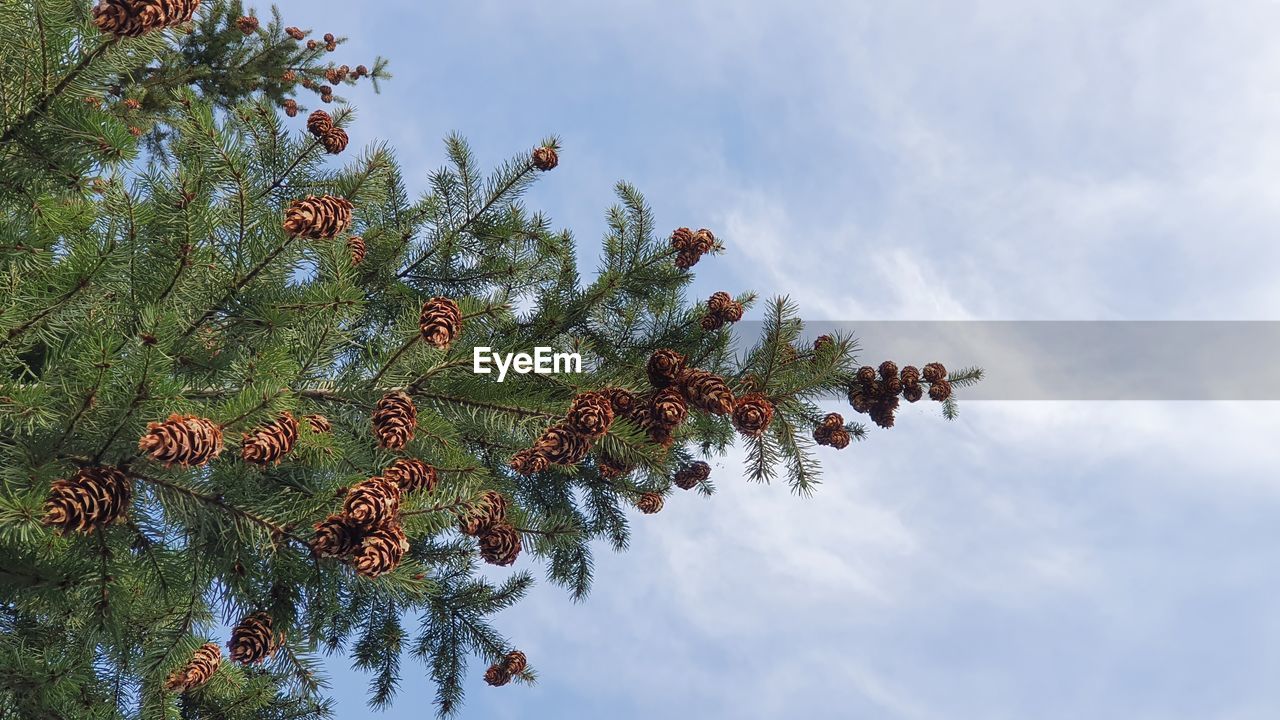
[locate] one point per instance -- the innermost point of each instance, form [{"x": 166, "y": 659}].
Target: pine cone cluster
[
  {"x": 394, "y": 420},
  {"x": 318, "y": 218},
  {"x": 247, "y": 24},
  {"x": 290, "y": 106},
  {"x": 832, "y": 433},
  {"x": 752, "y": 414},
  {"x": 270, "y": 442},
  {"x": 875, "y": 391},
  {"x": 721, "y": 309},
  {"x": 690, "y": 246},
  {"x": 367, "y": 533},
  {"x": 545, "y": 158},
  {"x": 93, "y": 498},
  {"x": 202, "y": 665},
  {"x": 589, "y": 417},
  {"x": 688, "y": 477},
  {"x": 440, "y": 322},
  {"x": 411, "y": 475},
  {"x": 295, "y": 33},
  {"x": 184, "y": 440},
  {"x": 501, "y": 672},
  {"x": 649, "y": 503},
  {"x": 357, "y": 248},
  {"x": 133, "y": 18},
  {"x": 320, "y": 124},
  {"x": 252, "y": 640}
]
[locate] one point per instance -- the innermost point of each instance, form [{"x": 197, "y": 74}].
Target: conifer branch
[
  {"x": 276, "y": 529},
  {"x": 47, "y": 99}
]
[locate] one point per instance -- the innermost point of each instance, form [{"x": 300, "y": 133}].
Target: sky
[{"x": 915, "y": 160}]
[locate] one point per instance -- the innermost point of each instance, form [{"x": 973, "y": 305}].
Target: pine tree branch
[
  {"x": 276, "y": 529},
  {"x": 413, "y": 340},
  {"x": 236, "y": 288},
  {"x": 47, "y": 99},
  {"x": 466, "y": 402}
]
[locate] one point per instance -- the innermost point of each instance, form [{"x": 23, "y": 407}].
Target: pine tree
[{"x": 187, "y": 268}]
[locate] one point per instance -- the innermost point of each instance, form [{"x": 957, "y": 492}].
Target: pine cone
[
  {"x": 822, "y": 344},
  {"x": 329, "y": 38},
  {"x": 184, "y": 440},
  {"x": 704, "y": 240},
  {"x": 440, "y": 322},
  {"x": 590, "y": 414},
  {"x": 93, "y": 498},
  {"x": 649, "y": 503},
  {"x": 515, "y": 662},
  {"x": 545, "y": 158},
  {"x": 295, "y": 33},
  {"x": 882, "y": 412},
  {"x": 484, "y": 512},
  {"x": 560, "y": 445},
  {"x": 357, "y": 248},
  {"x": 940, "y": 390},
  {"x": 362, "y": 71},
  {"x": 734, "y": 313},
  {"x": 933, "y": 372},
  {"x": 888, "y": 370},
  {"x": 682, "y": 239},
  {"x": 623, "y": 401},
  {"x": 497, "y": 675},
  {"x": 836, "y": 437},
  {"x": 752, "y": 414},
  {"x": 912, "y": 393},
  {"x": 892, "y": 386},
  {"x": 710, "y": 322},
  {"x": 664, "y": 367},
  {"x": 372, "y": 503},
  {"x": 500, "y": 544},
  {"x": 319, "y": 423},
  {"x": 335, "y": 536},
  {"x": 411, "y": 475},
  {"x": 318, "y": 218},
  {"x": 394, "y": 420},
  {"x": 336, "y": 75},
  {"x": 526, "y": 462},
  {"x": 291, "y": 107},
  {"x": 270, "y": 442},
  {"x": 668, "y": 407},
  {"x": 202, "y": 665},
  {"x": 688, "y": 477},
  {"x": 381, "y": 551},
  {"x": 133, "y": 18},
  {"x": 910, "y": 375},
  {"x": 686, "y": 259},
  {"x": 860, "y": 398},
  {"x": 319, "y": 123},
  {"x": 611, "y": 468},
  {"x": 251, "y": 641},
  {"x": 719, "y": 303},
  {"x": 335, "y": 141},
  {"x": 247, "y": 24},
  {"x": 707, "y": 391}
]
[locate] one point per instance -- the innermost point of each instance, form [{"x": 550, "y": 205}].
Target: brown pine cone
[
  {"x": 500, "y": 544},
  {"x": 411, "y": 475},
  {"x": 440, "y": 322},
  {"x": 889, "y": 370},
  {"x": 560, "y": 445},
  {"x": 270, "y": 442},
  {"x": 319, "y": 123},
  {"x": 682, "y": 239},
  {"x": 291, "y": 107},
  {"x": 394, "y": 420},
  {"x": 312, "y": 44},
  {"x": 335, "y": 141},
  {"x": 545, "y": 158},
  {"x": 668, "y": 408},
  {"x": 860, "y": 399},
  {"x": 882, "y": 412},
  {"x": 622, "y": 400},
  {"x": 892, "y": 386},
  {"x": 373, "y": 503},
  {"x": 526, "y": 462},
  {"x": 319, "y": 424},
  {"x": 381, "y": 551},
  {"x": 611, "y": 468},
  {"x": 912, "y": 393},
  {"x": 649, "y": 503},
  {"x": 688, "y": 477},
  {"x": 252, "y": 641},
  {"x": 752, "y": 414},
  {"x": 184, "y": 440},
  {"x": 704, "y": 241},
  {"x": 133, "y": 18},
  {"x": 707, "y": 391},
  {"x": 93, "y": 498},
  {"x": 733, "y": 313},
  {"x": 822, "y": 344},
  {"x": 719, "y": 303},
  {"x": 335, "y": 536},
  {"x": 247, "y": 24},
  {"x": 836, "y": 437},
  {"x": 866, "y": 374},
  {"x": 710, "y": 322},
  {"x": 357, "y": 248},
  {"x": 940, "y": 390},
  {"x": 686, "y": 259},
  {"x": 202, "y": 665},
  {"x": 329, "y": 38},
  {"x": 487, "y": 510},
  {"x": 910, "y": 375},
  {"x": 515, "y": 662},
  {"x": 318, "y": 218},
  {"x": 497, "y": 675},
  {"x": 590, "y": 414},
  {"x": 331, "y": 46},
  {"x": 933, "y": 372},
  {"x": 295, "y": 33},
  {"x": 664, "y": 367},
  {"x": 362, "y": 71},
  {"x": 335, "y": 75}
]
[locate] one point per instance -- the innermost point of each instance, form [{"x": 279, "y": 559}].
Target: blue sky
[{"x": 989, "y": 160}]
